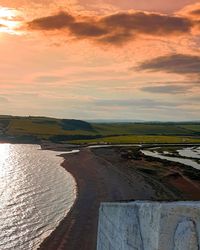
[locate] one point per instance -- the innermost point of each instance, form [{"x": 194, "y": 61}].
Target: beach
[{"x": 102, "y": 176}]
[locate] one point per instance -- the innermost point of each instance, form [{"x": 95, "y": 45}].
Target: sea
[{"x": 36, "y": 193}]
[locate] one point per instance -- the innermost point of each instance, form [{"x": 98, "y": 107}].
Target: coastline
[
  {"x": 79, "y": 229},
  {"x": 92, "y": 174},
  {"x": 102, "y": 176}
]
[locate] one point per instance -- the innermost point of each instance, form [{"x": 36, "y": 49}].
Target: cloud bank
[
  {"x": 166, "y": 89},
  {"x": 115, "y": 28},
  {"x": 175, "y": 63}
]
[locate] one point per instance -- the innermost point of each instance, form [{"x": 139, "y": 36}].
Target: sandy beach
[{"x": 101, "y": 177}]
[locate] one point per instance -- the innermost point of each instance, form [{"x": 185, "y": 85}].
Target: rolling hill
[{"x": 34, "y": 129}]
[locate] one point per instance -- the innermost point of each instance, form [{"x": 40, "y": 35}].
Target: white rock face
[
  {"x": 149, "y": 226},
  {"x": 186, "y": 236}
]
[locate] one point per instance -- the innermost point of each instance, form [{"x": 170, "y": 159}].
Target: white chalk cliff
[{"x": 149, "y": 226}]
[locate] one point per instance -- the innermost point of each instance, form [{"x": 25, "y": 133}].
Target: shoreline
[
  {"x": 92, "y": 173},
  {"x": 78, "y": 230},
  {"x": 101, "y": 176}
]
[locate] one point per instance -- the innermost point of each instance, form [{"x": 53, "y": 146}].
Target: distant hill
[
  {"x": 113, "y": 121},
  {"x": 34, "y": 129},
  {"x": 106, "y": 121},
  {"x": 39, "y": 128}
]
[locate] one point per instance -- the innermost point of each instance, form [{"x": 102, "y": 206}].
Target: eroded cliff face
[{"x": 149, "y": 226}]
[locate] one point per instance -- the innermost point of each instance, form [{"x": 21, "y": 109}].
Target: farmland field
[
  {"x": 192, "y": 127},
  {"x": 146, "y": 129},
  {"x": 140, "y": 139},
  {"x": 77, "y": 131}
]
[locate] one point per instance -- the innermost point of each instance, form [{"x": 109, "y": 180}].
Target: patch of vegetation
[
  {"x": 45, "y": 128},
  {"x": 67, "y": 138},
  {"x": 80, "y": 132},
  {"x": 143, "y": 129},
  {"x": 75, "y": 125},
  {"x": 192, "y": 127},
  {"x": 140, "y": 139}
]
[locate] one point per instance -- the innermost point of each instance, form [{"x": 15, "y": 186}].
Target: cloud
[
  {"x": 54, "y": 22},
  {"x": 167, "y": 89},
  {"x": 87, "y": 29},
  {"x": 195, "y": 99},
  {"x": 141, "y": 103},
  {"x": 191, "y": 11},
  {"x": 196, "y": 12},
  {"x": 173, "y": 63},
  {"x": 49, "y": 79},
  {"x": 147, "y": 23},
  {"x": 115, "y": 28},
  {"x": 118, "y": 38},
  {"x": 3, "y": 99}
]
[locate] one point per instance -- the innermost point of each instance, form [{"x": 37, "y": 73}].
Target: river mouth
[
  {"x": 36, "y": 193},
  {"x": 189, "y": 156}
]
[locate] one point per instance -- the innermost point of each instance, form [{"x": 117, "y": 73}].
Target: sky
[{"x": 97, "y": 59}]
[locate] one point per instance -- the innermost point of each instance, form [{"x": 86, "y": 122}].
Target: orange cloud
[
  {"x": 115, "y": 28},
  {"x": 174, "y": 63},
  {"x": 192, "y": 11},
  {"x": 196, "y": 12},
  {"x": 55, "y": 22}
]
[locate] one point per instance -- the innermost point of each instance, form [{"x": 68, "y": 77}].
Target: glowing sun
[{"x": 9, "y": 21}]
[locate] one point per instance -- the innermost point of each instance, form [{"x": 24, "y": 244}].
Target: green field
[
  {"x": 140, "y": 139},
  {"x": 43, "y": 128},
  {"x": 192, "y": 127},
  {"x": 76, "y": 131},
  {"x": 40, "y": 128},
  {"x": 146, "y": 129}
]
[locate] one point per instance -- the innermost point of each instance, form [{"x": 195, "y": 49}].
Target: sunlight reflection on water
[{"x": 35, "y": 194}]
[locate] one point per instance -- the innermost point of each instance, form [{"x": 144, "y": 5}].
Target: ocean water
[{"x": 36, "y": 193}]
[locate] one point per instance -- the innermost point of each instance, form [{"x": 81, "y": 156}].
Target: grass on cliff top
[
  {"x": 83, "y": 132},
  {"x": 46, "y": 127},
  {"x": 146, "y": 129},
  {"x": 139, "y": 139}
]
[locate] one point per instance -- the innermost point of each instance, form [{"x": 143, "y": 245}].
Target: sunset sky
[{"x": 96, "y": 59}]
